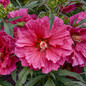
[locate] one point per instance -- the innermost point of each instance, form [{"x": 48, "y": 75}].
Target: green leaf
[
  {"x": 79, "y": 1},
  {"x": 42, "y": 12},
  {"x": 49, "y": 82},
  {"x": 81, "y": 22},
  {"x": 47, "y": 7},
  {"x": 79, "y": 83},
  {"x": 8, "y": 28},
  {"x": 14, "y": 18},
  {"x": 34, "y": 80},
  {"x": 5, "y": 83},
  {"x": 82, "y": 26},
  {"x": 20, "y": 24},
  {"x": 13, "y": 2},
  {"x": 41, "y": 4},
  {"x": 68, "y": 73},
  {"x": 0, "y": 20},
  {"x": 51, "y": 20},
  {"x": 74, "y": 23},
  {"x": 1, "y": 24},
  {"x": 13, "y": 74},
  {"x": 23, "y": 76},
  {"x": 52, "y": 74},
  {"x": 66, "y": 81},
  {"x": 72, "y": 3},
  {"x": 85, "y": 70},
  {"x": 32, "y": 4},
  {"x": 18, "y": 3}
]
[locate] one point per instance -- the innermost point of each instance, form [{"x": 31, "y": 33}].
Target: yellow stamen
[
  {"x": 77, "y": 38},
  {"x": 43, "y": 45}
]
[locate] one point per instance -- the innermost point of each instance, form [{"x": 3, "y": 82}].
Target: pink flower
[
  {"x": 40, "y": 48},
  {"x": 78, "y": 55},
  {"x": 33, "y": 16},
  {"x": 4, "y": 2},
  {"x": 69, "y": 8},
  {"x": 7, "y": 60},
  {"x": 80, "y": 16},
  {"x": 24, "y": 17},
  {"x": 23, "y": 13}
]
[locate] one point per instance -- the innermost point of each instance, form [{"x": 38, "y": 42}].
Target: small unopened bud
[
  {"x": 3, "y": 13},
  {"x": 52, "y": 3},
  {"x": 56, "y": 0}
]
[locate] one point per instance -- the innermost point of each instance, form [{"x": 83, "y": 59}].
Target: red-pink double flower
[
  {"x": 40, "y": 48},
  {"x": 7, "y": 58},
  {"x": 78, "y": 55}
]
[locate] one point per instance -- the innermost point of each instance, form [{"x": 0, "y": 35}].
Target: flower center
[
  {"x": 43, "y": 45},
  {"x": 76, "y": 38}
]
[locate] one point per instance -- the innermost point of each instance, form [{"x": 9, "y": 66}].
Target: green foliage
[
  {"x": 74, "y": 23},
  {"x": 1, "y": 24},
  {"x": 62, "y": 2},
  {"x": 10, "y": 7},
  {"x": 51, "y": 20},
  {"x": 34, "y": 80},
  {"x": 8, "y": 28},
  {"x": 14, "y": 18},
  {"x": 85, "y": 70},
  {"x": 20, "y": 24},
  {"x": 81, "y": 22},
  {"x": 52, "y": 3},
  {"x": 49, "y": 82},
  {"x": 66, "y": 81},
  {"x": 68, "y": 73},
  {"x": 32, "y": 4},
  {"x": 3, "y": 12},
  {"x": 5, "y": 83},
  {"x": 78, "y": 1},
  {"x": 23, "y": 76},
  {"x": 14, "y": 75}
]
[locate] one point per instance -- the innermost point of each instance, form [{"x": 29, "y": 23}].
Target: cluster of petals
[
  {"x": 78, "y": 55},
  {"x": 7, "y": 58},
  {"x": 76, "y": 69},
  {"x": 4, "y": 2},
  {"x": 40, "y": 48}
]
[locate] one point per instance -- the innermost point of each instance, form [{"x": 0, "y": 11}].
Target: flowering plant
[{"x": 42, "y": 42}]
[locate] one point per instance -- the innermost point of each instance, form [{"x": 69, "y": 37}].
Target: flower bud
[
  {"x": 3, "y": 13},
  {"x": 10, "y": 7},
  {"x": 52, "y": 3}
]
